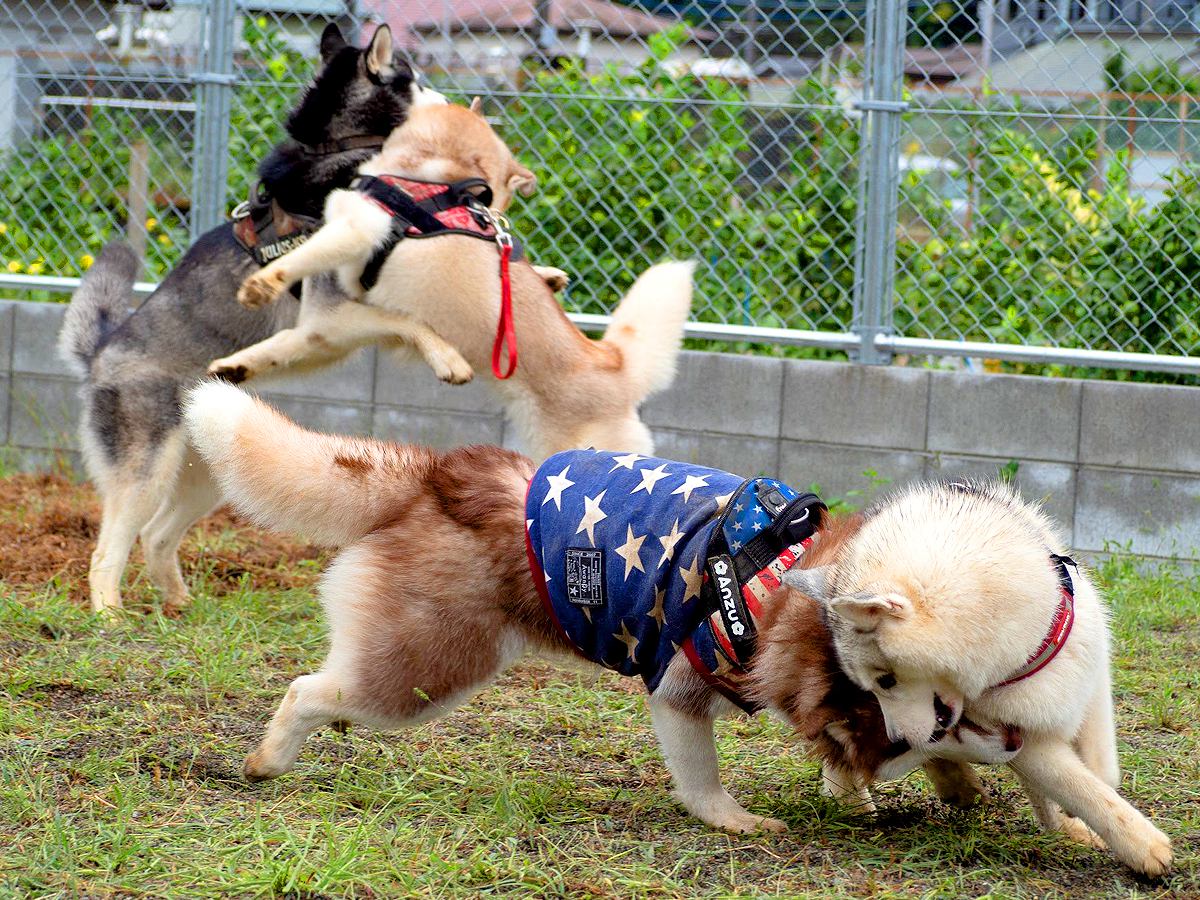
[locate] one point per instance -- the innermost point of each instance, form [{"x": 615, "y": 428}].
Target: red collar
[{"x": 1060, "y": 626}]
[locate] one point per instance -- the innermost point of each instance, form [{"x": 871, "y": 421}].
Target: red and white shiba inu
[
  {"x": 432, "y": 597},
  {"x": 442, "y": 296}
]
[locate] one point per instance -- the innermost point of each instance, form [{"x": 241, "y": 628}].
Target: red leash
[{"x": 506, "y": 332}]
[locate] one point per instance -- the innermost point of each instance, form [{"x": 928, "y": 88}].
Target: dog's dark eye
[{"x": 886, "y": 682}]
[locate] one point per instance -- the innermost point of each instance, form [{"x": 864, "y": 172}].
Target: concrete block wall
[{"x": 1117, "y": 464}]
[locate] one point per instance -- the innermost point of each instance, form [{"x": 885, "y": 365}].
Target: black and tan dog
[{"x": 137, "y": 366}]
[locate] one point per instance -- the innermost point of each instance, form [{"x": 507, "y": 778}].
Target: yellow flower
[
  {"x": 165, "y": 240},
  {"x": 86, "y": 260},
  {"x": 14, "y": 266},
  {"x": 637, "y": 115},
  {"x": 151, "y": 223},
  {"x": 1084, "y": 215},
  {"x": 3, "y": 228},
  {"x": 35, "y": 268},
  {"x": 261, "y": 21}
]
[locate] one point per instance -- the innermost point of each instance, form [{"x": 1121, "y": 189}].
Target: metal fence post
[
  {"x": 214, "y": 95},
  {"x": 878, "y": 187}
]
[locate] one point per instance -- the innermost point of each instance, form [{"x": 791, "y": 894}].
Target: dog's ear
[
  {"x": 331, "y": 42},
  {"x": 477, "y": 105},
  {"x": 379, "y": 51},
  {"x": 811, "y": 582},
  {"x": 521, "y": 180},
  {"x": 867, "y": 611}
]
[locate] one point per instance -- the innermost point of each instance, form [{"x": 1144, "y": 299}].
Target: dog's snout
[{"x": 944, "y": 714}]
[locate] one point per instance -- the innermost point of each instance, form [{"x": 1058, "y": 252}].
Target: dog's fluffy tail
[
  {"x": 332, "y": 490},
  {"x": 101, "y": 300},
  {"x": 648, "y": 325}
]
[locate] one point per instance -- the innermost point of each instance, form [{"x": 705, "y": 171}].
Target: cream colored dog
[
  {"x": 441, "y": 295},
  {"x": 956, "y": 597}
]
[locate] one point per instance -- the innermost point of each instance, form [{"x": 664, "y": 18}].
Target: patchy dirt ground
[{"x": 48, "y": 527}]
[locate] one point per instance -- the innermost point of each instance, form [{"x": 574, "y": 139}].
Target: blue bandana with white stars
[{"x": 619, "y": 543}]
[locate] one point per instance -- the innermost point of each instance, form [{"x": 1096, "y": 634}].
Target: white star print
[
  {"x": 626, "y": 461},
  {"x": 558, "y": 483},
  {"x": 758, "y": 526},
  {"x": 628, "y": 551},
  {"x": 739, "y": 507},
  {"x": 630, "y": 641},
  {"x": 592, "y": 514},
  {"x": 650, "y": 477},
  {"x": 693, "y": 577},
  {"x": 528, "y": 524},
  {"x": 690, "y": 483},
  {"x": 669, "y": 541},
  {"x": 736, "y": 546},
  {"x": 658, "y": 614},
  {"x": 723, "y": 501}
]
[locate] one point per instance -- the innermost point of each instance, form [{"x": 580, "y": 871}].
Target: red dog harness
[
  {"x": 422, "y": 209},
  {"x": 1060, "y": 626}
]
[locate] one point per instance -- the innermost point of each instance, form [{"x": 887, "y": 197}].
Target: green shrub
[{"x": 640, "y": 166}]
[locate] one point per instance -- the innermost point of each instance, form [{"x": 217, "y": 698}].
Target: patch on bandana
[{"x": 585, "y": 576}]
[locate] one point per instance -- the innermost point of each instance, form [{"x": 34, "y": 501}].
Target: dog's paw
[
  {"x": 748, "y": 823},
  {"x": 258, "y": 768},
  {"x": 556, "y": 279},
  {"x": 964, "y": 794},
  {"x": 452, "y": 368},
  {"x": 234, "y": 373},
  {"x": 1155, "y": 859},
  {"x": 1077, "y": 831},
  {"x": 259, "y": 290}
]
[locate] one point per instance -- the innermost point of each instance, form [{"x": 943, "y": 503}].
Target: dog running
[{"x": 454, "y": 564}]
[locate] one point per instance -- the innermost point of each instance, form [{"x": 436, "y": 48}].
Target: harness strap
[
  {"x": 267, "y": 231},
  {"x": 355, "y": 142},
  {"x": 1060, "y": 625},
  {"x": 414, "y": 206}
]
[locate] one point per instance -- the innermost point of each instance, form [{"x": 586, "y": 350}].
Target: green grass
[{"x": 121, "y": 748}]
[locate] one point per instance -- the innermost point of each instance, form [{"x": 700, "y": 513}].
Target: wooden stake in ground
[{"x": 138, "y": 201}]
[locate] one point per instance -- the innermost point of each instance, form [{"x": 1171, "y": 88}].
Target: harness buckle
[{"x": 498, "y": 221}]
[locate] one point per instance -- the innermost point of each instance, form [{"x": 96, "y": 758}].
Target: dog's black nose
[{"x": 943, "y": 713}]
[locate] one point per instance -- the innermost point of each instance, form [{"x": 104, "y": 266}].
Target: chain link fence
[{"x": 1004, "y": 179}]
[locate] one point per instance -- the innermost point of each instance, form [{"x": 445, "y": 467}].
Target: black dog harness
[
  {"x": 423, "y": 209},
  {"x": 266, "y": 230}
]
